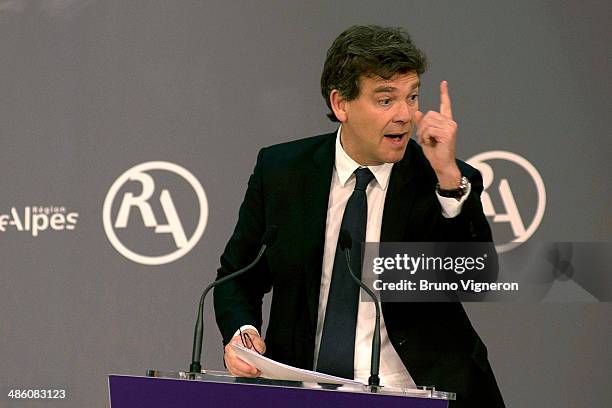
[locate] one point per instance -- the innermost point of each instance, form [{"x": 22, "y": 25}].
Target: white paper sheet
[{"x": 279, "y": 371}]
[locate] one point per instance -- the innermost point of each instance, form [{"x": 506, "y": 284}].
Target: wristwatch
[{"x": 454, "y": 193}]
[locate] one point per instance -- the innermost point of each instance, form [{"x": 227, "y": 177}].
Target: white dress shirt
[{"x": 392, "y": 370}]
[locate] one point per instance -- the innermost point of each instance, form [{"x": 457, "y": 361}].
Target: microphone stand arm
[{"x": 374, "y": 380}]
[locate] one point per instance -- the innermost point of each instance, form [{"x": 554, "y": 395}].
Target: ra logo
[
  {"x": 514, "y": 196},
  {"x": 129, "y": 213}
]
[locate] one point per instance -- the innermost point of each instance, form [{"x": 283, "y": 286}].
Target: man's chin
[{"x": 394, "y": 157}]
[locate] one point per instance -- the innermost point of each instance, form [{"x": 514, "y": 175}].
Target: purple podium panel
[{"x": 135, "y": 392}]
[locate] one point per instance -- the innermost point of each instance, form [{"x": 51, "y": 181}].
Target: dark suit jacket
[{"x": 289, "y": 188}]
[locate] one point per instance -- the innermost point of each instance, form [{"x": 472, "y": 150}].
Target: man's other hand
[{"x": 239, "y": 367}]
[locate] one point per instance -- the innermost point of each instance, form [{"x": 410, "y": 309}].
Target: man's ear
[{"x": 338, "y": 105}]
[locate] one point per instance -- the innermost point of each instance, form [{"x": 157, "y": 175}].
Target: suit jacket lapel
[
  {"x": 316, "y": 184},
  {"x": 400, "y": 198}
]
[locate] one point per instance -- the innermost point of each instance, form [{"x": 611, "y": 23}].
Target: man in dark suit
[{"x": 408, "y": 192}]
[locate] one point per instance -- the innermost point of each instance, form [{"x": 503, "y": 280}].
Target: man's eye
[
  {"x": 414, "y": 97},
  {"x": 384, "y": 102}
]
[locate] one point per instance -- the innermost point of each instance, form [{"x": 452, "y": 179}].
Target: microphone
[
  {"x": 346, "y": 243},
  {"x": 268, "y": 239}
]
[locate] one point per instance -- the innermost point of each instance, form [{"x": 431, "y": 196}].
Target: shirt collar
[{"x": 345, "y": 166}]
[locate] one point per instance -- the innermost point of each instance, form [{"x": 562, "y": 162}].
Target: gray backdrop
[{"x": 91, "y": 88}]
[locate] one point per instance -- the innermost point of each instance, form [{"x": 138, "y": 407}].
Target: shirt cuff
[
  {"x": 243, "y": 328},
  {"x": 450, "y": 206}
]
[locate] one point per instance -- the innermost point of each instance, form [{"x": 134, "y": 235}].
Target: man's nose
[{"x": 404, "y": 113}]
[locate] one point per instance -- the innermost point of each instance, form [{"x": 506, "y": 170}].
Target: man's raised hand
[{"x": 437, "y": 134}]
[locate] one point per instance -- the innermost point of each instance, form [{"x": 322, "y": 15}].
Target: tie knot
[{"x": 363, "y": 176}]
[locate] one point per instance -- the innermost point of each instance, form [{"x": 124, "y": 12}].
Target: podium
[{"x": 219, "y": 389}]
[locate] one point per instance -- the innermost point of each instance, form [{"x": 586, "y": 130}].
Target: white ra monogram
[
  {"x": 511, "y": 213},
  {"x": 141, "y": 203},
  {"x": 174, "y": 225}
]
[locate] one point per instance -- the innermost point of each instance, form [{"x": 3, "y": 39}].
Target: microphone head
[
  {"x": 270, "y": 235},
  {"x": 345, "y": 240}
]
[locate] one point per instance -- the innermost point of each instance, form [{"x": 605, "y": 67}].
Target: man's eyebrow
[{"x": 387, "y": 88}]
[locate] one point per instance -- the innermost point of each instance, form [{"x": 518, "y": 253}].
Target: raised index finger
[{"x": 445, "y": 102}]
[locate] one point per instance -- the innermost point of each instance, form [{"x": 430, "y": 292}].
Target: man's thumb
[{"x": 261, "y": 345}]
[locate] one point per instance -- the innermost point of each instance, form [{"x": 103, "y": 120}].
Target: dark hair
[{"x": 367, "y": 51}]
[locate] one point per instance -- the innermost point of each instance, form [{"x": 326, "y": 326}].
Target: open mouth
[{"x": 396, "y": 137}]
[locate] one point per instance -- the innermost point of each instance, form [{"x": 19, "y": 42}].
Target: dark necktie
[{"x": 337, "y": 349}]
